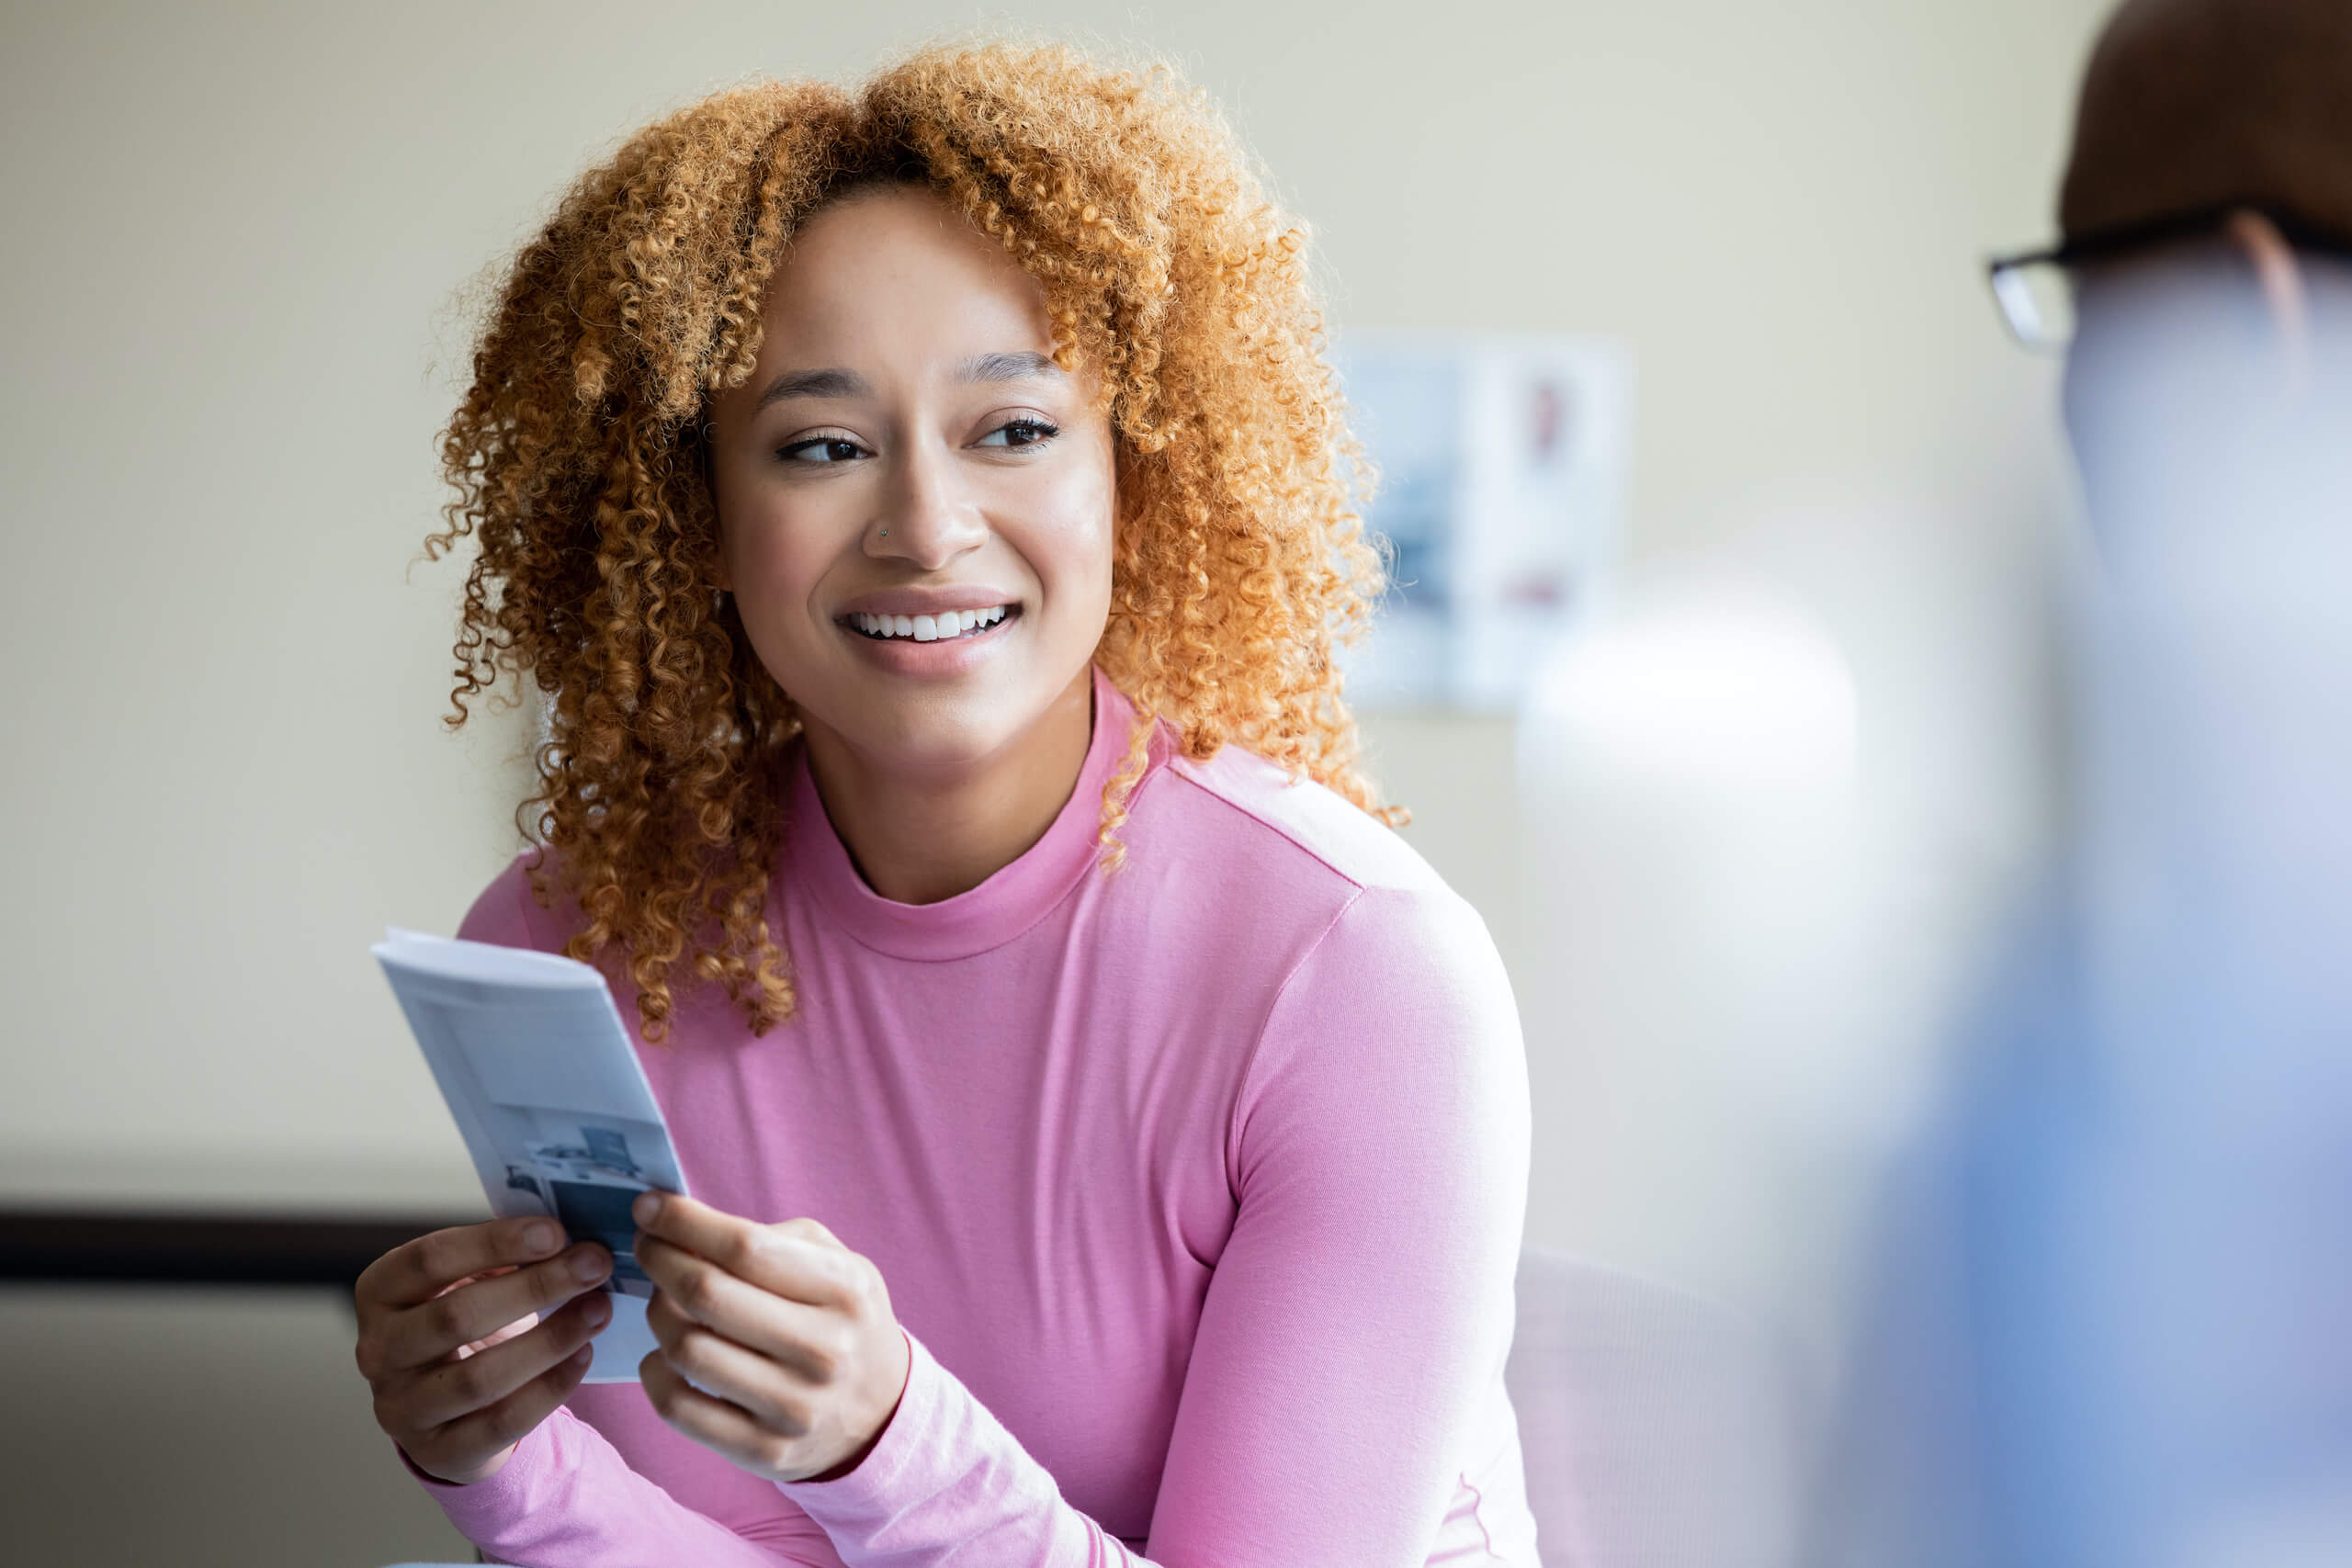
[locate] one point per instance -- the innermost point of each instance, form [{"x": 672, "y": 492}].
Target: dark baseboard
[{"x": 99, "y": 1247}]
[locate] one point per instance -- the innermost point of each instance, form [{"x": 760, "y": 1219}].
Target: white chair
[{"x": 1659, "y": 1431}]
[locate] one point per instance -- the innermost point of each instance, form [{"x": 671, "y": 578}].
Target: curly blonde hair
[{"x": 578, "y": 456}]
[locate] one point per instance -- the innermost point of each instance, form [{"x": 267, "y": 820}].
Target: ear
[{"x": 2280, "y": 275}]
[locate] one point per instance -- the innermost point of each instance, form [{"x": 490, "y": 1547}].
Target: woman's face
[{"x": 905, "y": 451}]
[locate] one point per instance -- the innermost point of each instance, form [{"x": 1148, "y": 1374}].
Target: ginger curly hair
[{"x": 578, "y": 457}]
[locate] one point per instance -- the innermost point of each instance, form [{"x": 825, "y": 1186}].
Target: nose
[{"x": 926, "y": 518}]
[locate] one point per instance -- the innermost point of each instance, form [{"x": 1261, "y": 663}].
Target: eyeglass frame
[{"x": 2105, "y": 244}]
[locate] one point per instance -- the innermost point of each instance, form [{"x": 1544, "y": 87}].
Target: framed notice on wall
[{"x": 1502, "y": 462}]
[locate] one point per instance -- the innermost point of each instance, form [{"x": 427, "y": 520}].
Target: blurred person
[
  {"x": 2114, "y": 1319},
  {"x": 928, "y": 511}
]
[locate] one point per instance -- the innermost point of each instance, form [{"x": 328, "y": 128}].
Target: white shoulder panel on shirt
[{"x": 1311, "y": 818}]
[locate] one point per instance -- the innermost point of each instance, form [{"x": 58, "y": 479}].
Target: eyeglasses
[
  {"x": 2035, "y": 290},
  {"x": 2036, "y": 294}
]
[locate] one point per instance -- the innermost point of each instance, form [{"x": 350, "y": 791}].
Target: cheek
[
  {"x": 783, "y": 564},
  {"x": 778, "y": 562},
  {"x": 1077, "y": 528},
  {"x": 779, "y": 545}
]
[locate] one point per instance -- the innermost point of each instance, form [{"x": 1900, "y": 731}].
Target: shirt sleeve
[
  {"x": 566, "y": 1498},
  {"x": 1360, "y": 1312}
]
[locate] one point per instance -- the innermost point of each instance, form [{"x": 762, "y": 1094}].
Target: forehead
[{"x": 895, "y": 269}]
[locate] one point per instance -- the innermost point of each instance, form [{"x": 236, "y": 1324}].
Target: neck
[{"x": 919, "y": 835}]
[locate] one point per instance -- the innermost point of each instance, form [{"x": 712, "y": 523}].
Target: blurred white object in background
[
  {"x": 1707, "y": 681},
  {"x": 1700, "y": 1040}
]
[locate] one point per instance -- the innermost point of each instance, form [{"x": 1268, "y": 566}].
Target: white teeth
[{"x": 928, "y": 628}]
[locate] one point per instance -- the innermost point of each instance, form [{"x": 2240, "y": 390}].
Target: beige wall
[{"x": 234, "y": 235}]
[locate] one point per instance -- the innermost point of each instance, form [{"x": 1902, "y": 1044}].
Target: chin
[{"x": 943, "y": 732}]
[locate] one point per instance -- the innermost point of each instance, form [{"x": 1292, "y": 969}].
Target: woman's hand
[
  {"x": 779, "y": 1350},
  {"x": 460, "y": 1338}
]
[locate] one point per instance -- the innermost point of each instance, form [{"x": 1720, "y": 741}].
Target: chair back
[{"x": 1658, "y": 1430}]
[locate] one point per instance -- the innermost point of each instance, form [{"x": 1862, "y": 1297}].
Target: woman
[{"x": 928, "y": 511}]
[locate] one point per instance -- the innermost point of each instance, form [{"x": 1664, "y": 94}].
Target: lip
[{"x": 926, "y": 602}]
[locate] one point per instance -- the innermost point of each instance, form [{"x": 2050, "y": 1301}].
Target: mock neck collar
[{"x": 1017, "y": 895}]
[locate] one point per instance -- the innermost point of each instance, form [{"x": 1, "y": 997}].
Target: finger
[
  {"x": 806, "y": 1342},
  {"x": 425, "y": 1332},
  {"x": 724, "y": 1427},
  {"x": 418, "y": 1270},
  {"x": 439, "y": 1394},
  {"x": 797, "y": 1266},
  {"x": 507, "y": 1420},
  {"x": 719, "y": 1367},
  {"x": 808, "y": 1338},
  {"x": 521, "y": 1325}
]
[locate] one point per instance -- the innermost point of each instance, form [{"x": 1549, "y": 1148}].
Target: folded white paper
[{"x": 532, "y": 1056}]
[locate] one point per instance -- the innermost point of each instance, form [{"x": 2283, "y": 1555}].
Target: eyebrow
[
  {"x": 1009, "y": 368},
  {"x": 831, "y": 383},
  {"x": 836, "y": 382}
]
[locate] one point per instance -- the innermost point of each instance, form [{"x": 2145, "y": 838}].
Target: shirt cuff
[
  {"x": 900, "y": 1444},
  {"x": 493, "y": 1495}
]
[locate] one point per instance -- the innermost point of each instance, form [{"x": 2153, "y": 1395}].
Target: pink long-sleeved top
[{"x": 1197, "y": 1190}]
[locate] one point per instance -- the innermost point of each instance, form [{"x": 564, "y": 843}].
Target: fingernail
[
  {"x": 598, "y": 1310},
  {"x": 648, "y": 1205},
  {"x": 540, "y": 1237},
  {"x": 589, "y": 1265}
]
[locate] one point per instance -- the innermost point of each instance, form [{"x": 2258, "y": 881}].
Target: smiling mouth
[{"x": 946, "y": 627}]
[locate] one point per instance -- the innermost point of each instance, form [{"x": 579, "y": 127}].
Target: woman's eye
[
  {"x": 1020, "y": 432},
  {"x": 820, "y": 449}
]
